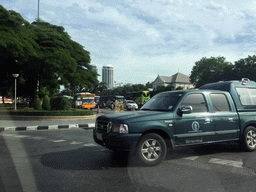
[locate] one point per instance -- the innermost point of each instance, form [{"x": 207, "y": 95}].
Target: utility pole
[{"x": 38, "y": 11}]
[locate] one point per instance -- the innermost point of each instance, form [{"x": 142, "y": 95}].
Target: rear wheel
[
  {"x": 249, "y": 139},
  {"x": 151, "y": 149}
]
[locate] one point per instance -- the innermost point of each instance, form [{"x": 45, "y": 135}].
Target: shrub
[
  {"x": 37, "y": 105},
  {"x": 46, "y": 103},
  {"x": 60, "y": 103}
]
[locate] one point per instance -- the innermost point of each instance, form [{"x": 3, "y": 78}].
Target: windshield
[
  {"x": 87, "y": 101},
  {"x": 162, "y": 102}
]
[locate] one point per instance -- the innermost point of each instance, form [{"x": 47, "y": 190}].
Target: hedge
[{"x": 60, "y": 103}]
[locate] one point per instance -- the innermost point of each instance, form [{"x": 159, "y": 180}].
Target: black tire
[
  {"x": 248, "y": 140},
  {"x": 151, "y": 150}
]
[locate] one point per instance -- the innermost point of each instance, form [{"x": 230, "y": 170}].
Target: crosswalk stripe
[
  {"x": 21, "y": 136},
  {"x": 58, "y": 141},
  {"x": 75, "y": 142},
  {"x": 90, "y": 145},
  {"x": 238, "y": 164},
  {"x": 191, "y": 158}
]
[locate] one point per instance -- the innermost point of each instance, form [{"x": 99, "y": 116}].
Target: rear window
[{"x": 246, "y": 95}]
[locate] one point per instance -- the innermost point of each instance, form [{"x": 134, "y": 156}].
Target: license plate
[{"x": 99, "y": 136}]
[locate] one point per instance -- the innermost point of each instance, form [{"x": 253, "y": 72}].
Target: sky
[{"x": 146, "y": 38}]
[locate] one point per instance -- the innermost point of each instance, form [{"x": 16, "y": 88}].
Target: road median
[
  {"x": 39, "y": 118},
  {"x": 48, "y": 127}
]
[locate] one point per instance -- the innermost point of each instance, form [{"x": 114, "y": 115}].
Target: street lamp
[{"x": 15, "y": 76}]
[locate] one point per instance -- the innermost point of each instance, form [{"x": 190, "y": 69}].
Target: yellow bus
[{"x": 85, "y": 100}]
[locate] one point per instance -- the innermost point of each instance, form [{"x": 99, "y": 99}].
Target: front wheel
[
  {"x": 151, "y": 149},
  {"x": 249, "y": 139}
]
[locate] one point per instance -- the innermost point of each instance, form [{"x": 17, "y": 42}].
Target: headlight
[{"x": 120, "y": 128}]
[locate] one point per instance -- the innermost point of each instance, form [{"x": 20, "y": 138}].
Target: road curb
[{"x": 29, "y": 128}]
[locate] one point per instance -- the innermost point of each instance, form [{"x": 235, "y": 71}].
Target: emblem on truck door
[{"x": 195, "y": 126}]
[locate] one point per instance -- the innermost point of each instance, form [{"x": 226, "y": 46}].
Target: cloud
[{"x": 151, "y": 37}]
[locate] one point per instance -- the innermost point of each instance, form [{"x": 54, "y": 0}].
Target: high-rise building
[
  {"x": 94, "y": 68},
  {"x": 108, "y": 75}
]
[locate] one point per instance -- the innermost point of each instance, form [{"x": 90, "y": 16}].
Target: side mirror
[{"x": 186, "y": 109}]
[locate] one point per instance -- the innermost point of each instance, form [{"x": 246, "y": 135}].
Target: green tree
[
  {"x": 245, "y": 68},
  {"x": 160, "y": 89},
  {"x": 37, "y": 104},
  {"x": 46, "y": 103},
  {"x": 17, "y": 47},
  {"x": 149, "y": 85},
  {"x": 209, "y": 70},
  {"x": 102, "y": 88},
  {"x": 43, "y": 54},
  {"x": 61, "y": 60}
]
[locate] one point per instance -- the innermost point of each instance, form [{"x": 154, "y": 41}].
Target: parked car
[{"x": 130, "y": 104}]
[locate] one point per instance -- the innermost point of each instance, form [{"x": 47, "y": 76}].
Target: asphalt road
[{"x": 69, "y": 160}]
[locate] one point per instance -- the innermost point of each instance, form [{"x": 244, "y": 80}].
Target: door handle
[{"x": 208, "y": 120}]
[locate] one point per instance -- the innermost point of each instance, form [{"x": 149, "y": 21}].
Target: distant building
[
  {"x": 176, "y": 80},
  {"x": 108, "y": 75},
  {"x": 95, "y": 68}
]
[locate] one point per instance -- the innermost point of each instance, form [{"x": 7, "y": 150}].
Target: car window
[
  {"x": 247, "y": 95},
  {"x": 220, "y": 102},
  {"x": 197, "y": 101}
]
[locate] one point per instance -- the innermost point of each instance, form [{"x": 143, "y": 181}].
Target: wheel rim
[
  {"x": 151, "y": 150},
  {"x": 251, "y": 139}
]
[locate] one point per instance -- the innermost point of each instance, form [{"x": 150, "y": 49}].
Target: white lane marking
[
  {"x": 191, "y": 158},
  {"x": 75, "y": 143},
  {"x": 238, "y": 164},
  {"x": 23, "y": 167},
  {"x": 90, "y": 145},
  {"x": 32, "y": 127},
  {"x": 57, "y": 141},
  {"x": 53, "y": 127}
]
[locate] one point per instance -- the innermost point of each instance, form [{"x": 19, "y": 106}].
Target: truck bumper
[{"x": 116, "y": 141}]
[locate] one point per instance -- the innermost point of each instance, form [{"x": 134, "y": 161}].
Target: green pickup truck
[{"x": 218, "y": 112}]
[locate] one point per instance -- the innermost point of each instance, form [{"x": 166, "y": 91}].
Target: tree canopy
[
  {"x": 214, "y": 69},
  {"x": 43, "y": 54},
  {"x": 209, "y": 70}
]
